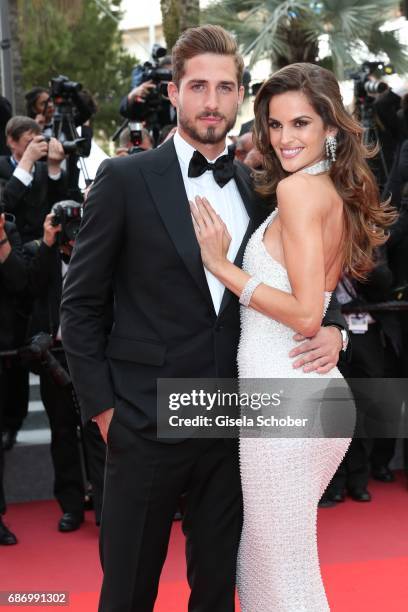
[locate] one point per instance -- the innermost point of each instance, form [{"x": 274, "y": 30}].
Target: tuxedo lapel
[
  {"x": 166, "y": 186},
  {"x": 247, "y": 194}
]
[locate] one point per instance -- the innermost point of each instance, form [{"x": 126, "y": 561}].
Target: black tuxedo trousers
[{"x": 137, "y": 242}]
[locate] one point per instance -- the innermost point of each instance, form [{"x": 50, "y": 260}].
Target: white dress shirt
[
  {"x": 226, "y": 201},
  {"x": 27, "y": 177}
]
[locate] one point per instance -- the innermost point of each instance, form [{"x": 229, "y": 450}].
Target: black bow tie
[{"x": 222, "y": 168}]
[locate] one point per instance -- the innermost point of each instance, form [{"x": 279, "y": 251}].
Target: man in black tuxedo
[{"x": 170, "y": 320}]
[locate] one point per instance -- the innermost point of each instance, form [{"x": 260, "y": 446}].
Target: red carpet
[{"x": 363, "y": 550}]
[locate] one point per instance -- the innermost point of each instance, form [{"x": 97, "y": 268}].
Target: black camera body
[
  {"x": 71, "y": 147},
  {"x": 62, "y": 87},
  {"x": 364, "y": 87},
  {"x": 155, "y": 109},
  {"x": 64, "y": 94},
  {"x": 161, "y": 77},
  {"x": 68, "y": 214}
]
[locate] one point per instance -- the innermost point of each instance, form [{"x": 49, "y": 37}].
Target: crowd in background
[{"x": 40, "y": 162}]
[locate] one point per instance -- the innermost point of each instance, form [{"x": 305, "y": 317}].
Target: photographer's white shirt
[{"x": 27, "y": 177}]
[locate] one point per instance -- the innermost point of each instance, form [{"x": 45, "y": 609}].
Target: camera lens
[{"x": 375, "y": 87}]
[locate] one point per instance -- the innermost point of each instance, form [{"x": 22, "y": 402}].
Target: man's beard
[{"x": 210, "y": 136}]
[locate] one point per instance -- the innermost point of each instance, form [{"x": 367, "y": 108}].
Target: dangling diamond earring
[{"x": 331, "y": 146}]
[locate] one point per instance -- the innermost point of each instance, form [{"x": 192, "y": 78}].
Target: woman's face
[{"x": 297, "y": 133}]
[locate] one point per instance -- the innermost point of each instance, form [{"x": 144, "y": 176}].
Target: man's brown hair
[
  {"x": 18, "y": 125},
  {"x": 204, "y": 39}
]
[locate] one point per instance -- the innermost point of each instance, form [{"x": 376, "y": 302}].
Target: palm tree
[
  {"x": 178, "y": 15},
  {"x": 289, "y": 31},
  {"x": 189, "y": 14}
]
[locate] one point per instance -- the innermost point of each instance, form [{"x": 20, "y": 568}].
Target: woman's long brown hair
[{"x": 366, "y": 217}]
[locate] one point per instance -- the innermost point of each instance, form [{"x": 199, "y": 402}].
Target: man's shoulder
[
  {"x": 154, "y": 158},
  {"x": 6, "y": 169},
  {"x": 12, "y": 233}
]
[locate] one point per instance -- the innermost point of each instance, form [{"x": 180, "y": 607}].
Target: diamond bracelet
[{"x": 248, "y": 290}]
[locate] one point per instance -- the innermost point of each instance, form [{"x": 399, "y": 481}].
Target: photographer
[
  {"x": 134, "y": 141},
  {"x": 40, "y": 107},
  {"x": 148, "y": 102},
  {"x": 16, "y": 278},
  {"x": 377, "y": 107},
  {"x": 376, "y": 346},
  {"x": 68, "y": 457},
  {"x": 59, "y": 111},
  {"x": 5, "y": 115},
  {"x": 32, "y": 185}
]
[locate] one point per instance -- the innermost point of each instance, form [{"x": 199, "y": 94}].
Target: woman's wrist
[{"x": 220, "y": 267}]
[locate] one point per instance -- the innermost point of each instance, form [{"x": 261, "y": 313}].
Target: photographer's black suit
[
  {"x": 137, "y": 238},
  {"x": 31, "y": 204},
  {"x": 61, "y": 409},
  {"x": 17, "y": 279}
]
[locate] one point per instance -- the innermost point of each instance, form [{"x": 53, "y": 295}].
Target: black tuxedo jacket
[
  {"x": 30, "y": 205},
  {"x": 137, "y": 238}
]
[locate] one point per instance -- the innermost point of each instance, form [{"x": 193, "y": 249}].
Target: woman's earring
[{"x": 331, "y": 146}]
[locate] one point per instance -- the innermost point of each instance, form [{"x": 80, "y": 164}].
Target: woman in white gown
[{"x": 328, "y": 218}]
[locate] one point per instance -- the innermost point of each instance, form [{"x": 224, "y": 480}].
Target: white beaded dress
[{"x": 282, "y": 478}]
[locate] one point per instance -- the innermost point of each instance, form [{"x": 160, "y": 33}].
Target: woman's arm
[{"x": 301, "y": 212}]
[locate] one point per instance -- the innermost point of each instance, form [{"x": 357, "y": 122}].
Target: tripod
[{"x": 63, "y": 129}]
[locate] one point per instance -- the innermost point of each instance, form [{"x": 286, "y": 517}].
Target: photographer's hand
[
  {"x": 121, "y": 152},
  {"x": 50, "y": 231},
  {"x": 36, "y": 149},
  {"x": 103, "y": 421},
  {"x": 55, "y": 156},
  {"x": 40, "y": 119},
  {"x": 5, "y": 248},
  {"x": 141, "y": 91}
]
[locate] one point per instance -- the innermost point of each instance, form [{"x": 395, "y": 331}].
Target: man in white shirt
[{"x": 32, "y": 175}]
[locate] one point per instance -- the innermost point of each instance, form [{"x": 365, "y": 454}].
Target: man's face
[
  {"x": 44, "y": 106},
  {"x": 146, "y": 143},
  {"x": 207, "y": 99},
  {"x": 17, "y": 147},
  {"x": 244, "y": 146}
]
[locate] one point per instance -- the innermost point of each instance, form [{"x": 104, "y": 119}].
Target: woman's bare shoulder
[{"x": 302, "y": 194}]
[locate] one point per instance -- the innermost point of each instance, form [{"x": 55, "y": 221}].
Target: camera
[
  {"x": 154, "y": 111},
  {"x": 62, "y": 87},
  {"x": 135, "y": 136},
  {"x": 363, "y": 85},
  {"x": 76, "y": 146},
  {"x": 68, "y": 214},
  {"x": 161, "y": 77},
  {"x": 65, "y": 95}
]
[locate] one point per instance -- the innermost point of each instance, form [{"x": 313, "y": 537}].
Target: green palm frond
[
  {"x": 388, "y": 43},
  {"x": 291, "y": 29}
]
